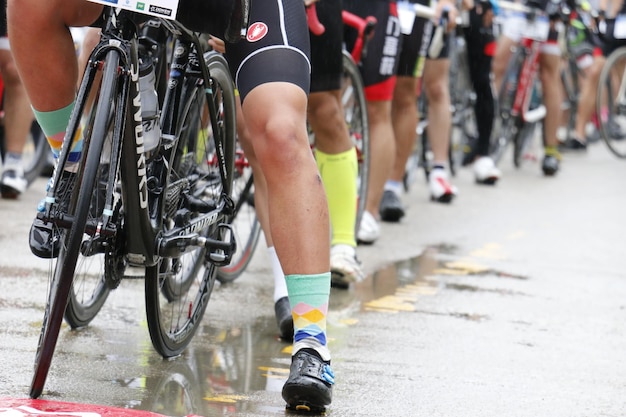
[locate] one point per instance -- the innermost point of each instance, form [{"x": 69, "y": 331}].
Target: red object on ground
[{"x": 26, "y": 407}]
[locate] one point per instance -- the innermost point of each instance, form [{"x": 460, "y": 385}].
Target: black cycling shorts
[
  {"x": 415, "y": 46},
  {"x": 326, "y": 49},
  {"x": 3, "y": 18},
  {"x": 378, "y": 68},
  {"x": 276, "y": 47}
]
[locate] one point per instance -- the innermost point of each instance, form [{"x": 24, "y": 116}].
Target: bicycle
[
  {"x": 611, "y": 100},
  {"x": 577, "y": 53},
  {"x": 518, "y": 104},
  {"x": 167, "y": 211},
  {"x": 463, "y": 99}
]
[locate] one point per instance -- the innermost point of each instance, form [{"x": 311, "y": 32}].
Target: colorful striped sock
[
  {"x": 54, "y": 124},
  {"x": 308, "y": 296}
]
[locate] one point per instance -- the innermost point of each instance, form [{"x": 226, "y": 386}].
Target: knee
[{"x": 437, "y": 91}]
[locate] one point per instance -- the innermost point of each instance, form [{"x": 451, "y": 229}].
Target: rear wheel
[
  {"x": 507, "y": 124},
  {"x": 355, "y": 112},
  {"x": 178, "y": 289}
]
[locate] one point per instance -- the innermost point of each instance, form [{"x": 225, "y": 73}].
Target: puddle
[{"x": 242, "y": 369}]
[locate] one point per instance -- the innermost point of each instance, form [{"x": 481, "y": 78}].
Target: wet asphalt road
[{"x": 509, "y": 302}]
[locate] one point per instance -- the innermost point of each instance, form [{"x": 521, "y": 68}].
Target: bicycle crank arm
[{"x": 220, "y": 251}]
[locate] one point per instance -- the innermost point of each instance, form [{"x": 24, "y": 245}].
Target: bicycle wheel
[
  {"x": 245, "y": 225},
  {"x": 355, "y": 112},
  {"x": 178, "y": 289},
  {"x": 77, "y": 239},
  {"x": 507, "y": 124},
  {"x": 36, "y": 153},
  {"x": 611, "y": 101}
]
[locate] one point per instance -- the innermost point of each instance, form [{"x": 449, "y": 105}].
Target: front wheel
[{"x": 78, "y": 240}]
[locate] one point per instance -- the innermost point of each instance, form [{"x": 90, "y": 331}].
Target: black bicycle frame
[{"x": 144, "y": 242}]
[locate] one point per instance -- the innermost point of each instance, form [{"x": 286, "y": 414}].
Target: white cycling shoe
[
  {"x": 485, "y": 171},
  {"x": 440, "y": 188}
]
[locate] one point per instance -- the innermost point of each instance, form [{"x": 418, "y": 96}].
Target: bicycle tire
[
  {"x": 506, "y": 96},
  {"x": 246, "y": 227},
  {"x": 178, "y": 290},
  {"x": 245, "y": 224},
  {"x": 97, "y": 270},
  {"x": 611, "y": 100},
  {"x": 522, "y": 139},
  {"x": 569, "y": 78},
  {"x": 355, "y": 114},
  {"x": 35, "y": 157},
  {"x": 80, "y": 203}
]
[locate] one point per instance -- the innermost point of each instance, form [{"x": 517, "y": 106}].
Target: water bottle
[{"x": 149, "y": 105}]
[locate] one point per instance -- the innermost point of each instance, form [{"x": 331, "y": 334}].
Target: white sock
[
  {"x": 280, "y": 285},
  {"x": 395, "y": 186}
]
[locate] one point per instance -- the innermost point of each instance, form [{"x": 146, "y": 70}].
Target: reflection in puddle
[{"x": 242, "y": 369}]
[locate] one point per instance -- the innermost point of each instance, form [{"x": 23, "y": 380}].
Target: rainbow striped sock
[{"x": 308, "y": 296}]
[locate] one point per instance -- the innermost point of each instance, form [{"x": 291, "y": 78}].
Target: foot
[
  {"x": 615, "y": 130},
  {"x": 44, "y": 237},
  {"x": 574, "y": 143},
  {"x": 284, "y": 319},
  {"x": 369, "y": 229},
  {"x": 440, "y": 188},
  {"x": 13, "y": 182},
  {"x": 345, "y": 268},
  {"x": 309, "y": 386},
  {"x": 485, "y": 171},
  {"x": 550, "y": 165},
  {"x": 391, "y": 209}
]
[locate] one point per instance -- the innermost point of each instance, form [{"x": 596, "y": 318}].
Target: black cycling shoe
[
  {"x": 309, "y": 386},
  {"x": 44, "y": 238},
  {"x": 391, "y": 209},
  {"x": 574, "y": 143},
  {"x": 284, "y": 319},
  {"x": 550, "y": 165}
]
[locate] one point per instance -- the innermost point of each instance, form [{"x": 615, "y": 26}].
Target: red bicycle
[{"x": 519, "y": 100}]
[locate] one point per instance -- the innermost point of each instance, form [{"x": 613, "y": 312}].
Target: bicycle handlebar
[
  {"x": 365, "y": 29},
  {"x": 315, "y": 26}
]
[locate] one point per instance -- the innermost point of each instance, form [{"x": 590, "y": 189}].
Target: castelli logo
[{"x": 256, "y": 31}]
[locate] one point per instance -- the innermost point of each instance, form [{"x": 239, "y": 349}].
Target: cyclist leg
[
  {"x": 405, "y": 116},
  {"x": 480, "y": 49},
  {"x": 436, "y": 86},
  {"x": 40, "y": 34},
  {"x": 17, "y": 118},
  {"x": 335, "y": 153},
  {"x": 549, "y": 73},
  {"x": 378, "y": 71},
  {"x": 271, "y": 69}
]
